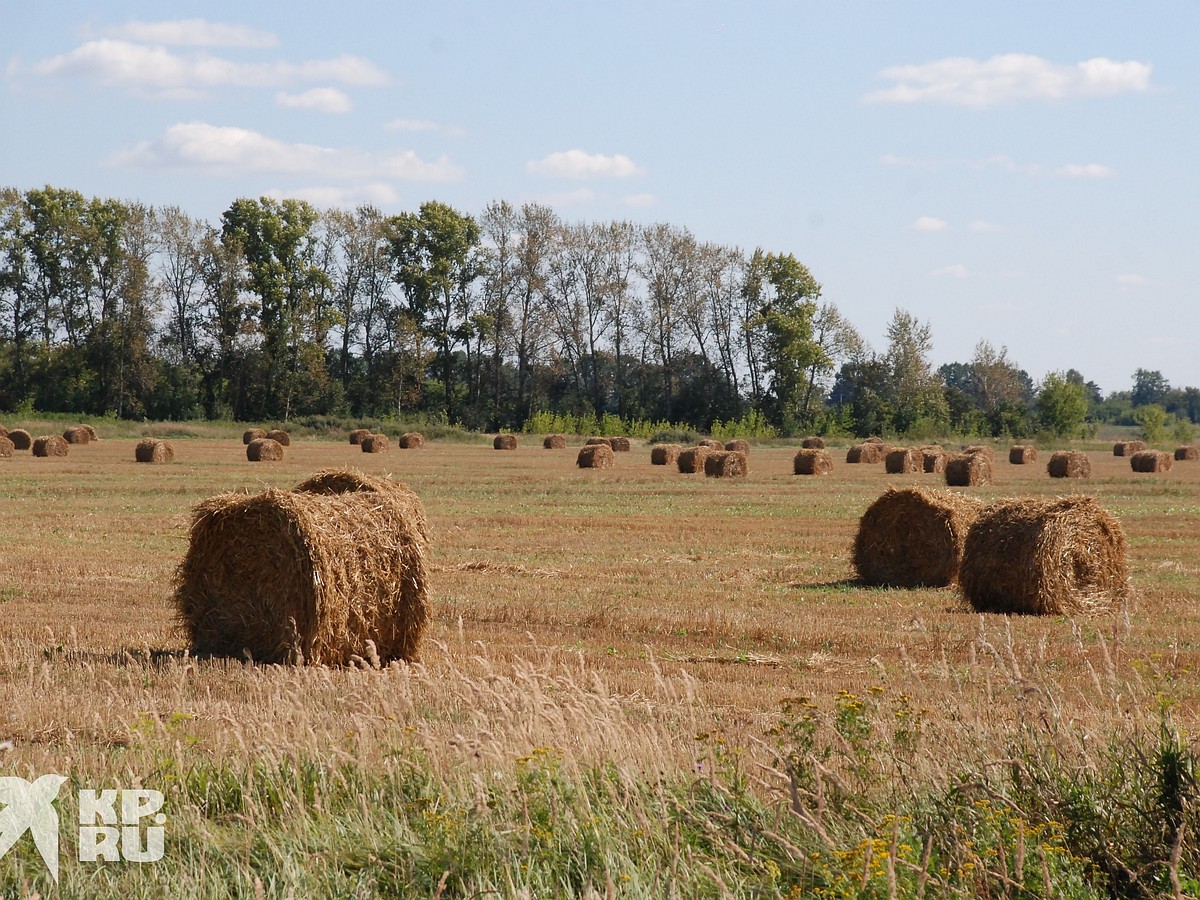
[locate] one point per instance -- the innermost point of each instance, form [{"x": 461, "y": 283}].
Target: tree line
[{"x": 280, "y": 311}]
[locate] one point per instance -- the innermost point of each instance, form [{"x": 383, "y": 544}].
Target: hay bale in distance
[
  {"x": 873, "y": 440},
  {"x": 1057, "y": 556},
  {"x": 1022, "y": 454},
  {"x": 619, "y": 444},
  {"x": 726, "y": 464},
  {"x": 594, "y": 441},
  {"x": 6, "y": 448},
  {"x": 903, "y": 461},
  {"x": 375, "y": 443},
  {"x": 933, "y": 459},
  {"x": 1151, "y": 461},
  {"x": 92, "y": 436},
  {"x": 1188, "y": 454},
  {"x": 665, "y": 454},
  {"x": 711, "y": 444},
  {"x": 253, "y": 434},
  {"x": 983, "y": 450},
  {"x": 264, "y": 450},
  {"x": 1069, "y": 464},
  {"x": 505, "y": 442},
  {"x": 595, "y": 456},
  {"x": 300, "y": 576},
  {"x": 280, "y": 436},
  {"x": 691, "y": 460},
  {"x": 50, "y": 445},
  {"x": 1128, "y": 448},
  {"x": 911, "y": 537},
  {"x": 867, "y": 452},
  {"x": 812, "y": 461},
  {"x": 20, "y": 438},
  {"x": 153, "y": 450},
  {"x": 813, "y": 443},
  {"x": 358, "y": 434},
  {"x": 739, "y": 445},
  {"x": 3, "y": 431},
  {"x": 968, "y": 469},
  {"x": 76, "y": 434},
  {"x": 411, "y": 440},
  {"x": 555, "y": 442}
]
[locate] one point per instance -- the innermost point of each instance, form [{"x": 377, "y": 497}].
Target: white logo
[{"x": 30, "y": 807}]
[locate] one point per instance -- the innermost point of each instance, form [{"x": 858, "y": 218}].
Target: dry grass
[{"x": 739, "y": 445}]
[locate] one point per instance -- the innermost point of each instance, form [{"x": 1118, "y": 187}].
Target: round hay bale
[
  {"x": 981, "y": 449},
  {"x": 619, "y": 444},
  {"x": 555, "y": 442},
  {"x": 1128, "y": 448},
  {"x": 153, "y": 450},
  {"x": 92, "y": 436},
  {"x": 1056, "y": 556},
  {"x": 3, "y": 431},
  {"x": 595, "y": 456},
  {"x": 691, "y": 460},
  {"x": 357, "y": 435},
  {"x": 1022, "y": 455},
  {"x": 20, "y": 438},
  {"x": 911, "y": 537},
  {"x": 813, "y": 443},
  {"x": 76, "y": 434},
  {"x": 903, "y": 461},
  {"x": 968, "y": 469},
  {"x": 726, "y": 464},
  {"x": 711, "y": 444},
  {"x": 873, "y": 440},
  {"x": 50, "y": 445},
  {"x": 346, "y": 481},
  {"x": 280, "y": 436},
  {"x": 306, "y": 577},
  {"x": 375, "y": 443},
  {"x": 411, "y": 440},
  {"x": 253, "y": 434},
  {"x": 1069, "y": 464},
  {"x": 264, "y": 450},
  {"x": 6, "y": 448},
  {"x": 739, "y": 445},
  {"x": 1188, "y": 454},
  {"x": 505, "y": 442},
  {"x": 665, "y": 454},
  {"x": 593, "y": 441},
  {"x": 867, "y": 452},
  {"x": 812, "y": 461},
  {"x": 933, "y": 459},
  {"x": 1151, "y": 461}
]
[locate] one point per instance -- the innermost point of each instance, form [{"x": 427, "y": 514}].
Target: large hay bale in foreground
[
  {"x": 50, "y": 445},
  {"x": 933, "y": 459},
  {"x": 1151, "y": 461},
  {"x": 505, "y": 442},
  {"x": 555, "y": 442},
  {"x": 692, "y": 459},
  {"x": 6, "y": 448},
  {"x": 595, "y": 456},
  {"x": 411, "y": 440},
  {"x": 812, "y": 461},
  {"x": 375, "y": 443},
  {"x": 871, "y": 452},
  {"x": 280, "y": 436},
  {"x": 306, "y": 576},
  {"x": 1128, "y": 448},
  {"x": 913, "y": 538},
  {"x": 726, "y": 464},
  {"x": 1022, "y": 455},
  {"x": 253, "y": 434},
  {"x": 903, "y": 461},
  {"x": 264, "y": 450},
  {"x": 357, "y": 435},
  {"x": 1056, "y": 556},
  {"x": 665, "y": 454},
  {"x": 619, "y": 444},
  {"x": 1186, "y": 454},
  {"x": 739, "y": 445},
  {"x": 153, "y": 450},
  {"x": 813, "y": 443},
  {"x": 76, "y": 434},
  {"x": 20, "y": 438},
  {"x": 1069, "y": 464},
  {"x": 968, "y": 469}
]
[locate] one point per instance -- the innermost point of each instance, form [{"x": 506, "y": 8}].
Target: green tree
[
  {"x": 1152, "y": 422},
  {"x": 1149, "y": 387},
  {"x": 1061, "y": 404},
  {"x": 917, "y": 398}
]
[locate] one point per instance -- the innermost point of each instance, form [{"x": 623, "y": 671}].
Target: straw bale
[
  {"x": 813, "y": 443},
  {"x": 1069, "y": 464},
  {"x": 1128, "y": 448},
  {"x": 20, "y": 438},
  {"x": 3, "y": 431},
  {"x": 1056, "y": 556},
  {"x": 1186, "y": 453},
  {"x": 983, "y": 450},
  {"x": 933, "y": 459},
  {"x": 264, "y": 450},
  {"x": 739, "y": 445},
  {"x": 593, "y": 441},
  {"x": 358, "y": 434},
  {"x": 726, "y": 464},
  {"x": 665, "y": 454},
  {"x": 505, "y": 442},
  {"x": 411, "y": 440},
  {"x": 555, "y": 442},
  {"x": 711, "y": 444},
  {"x": 350, "y": 481},
  {"x": 904, "y": 461},
  {"x": 375, "y": 443},
  {"x": 619, "y": 444},
  {"x": 911, "y": 537},
  {"x": 280, "y": 436},
  {"x": 153, "y": 450},
  {"x": 1151, "y": 461},
  {"x": 1022, "y": 454},
  {"x": 595, "y": 456},
  {"x": 968, "y": 469},
  {"x": 873, "y": 440},
  {"x": 253, "y": 434},
  {"x": 6, "y": 448},
  {"x": 76, "y": 434},
  {"x": 812, "y": 461},
  {"x": 316, "y": 577},
  {"x": 867, "y": 452},
  {"x": 50, "y": 445},
  {"x": 92, "y": 436},
  {"x": 691, "y": 460}
]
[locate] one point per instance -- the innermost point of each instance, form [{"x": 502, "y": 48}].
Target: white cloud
[
  {"x": 639, "y": 201},
  {"x": 1036, "y": 170},
  {"x": 418, "y": 126},
  {"x": 376, "y": 193},
  {"x": 983, "y": 227},
  {"x": 957, "y": 270},
  {"x": 222, "y": 150},
  {"x": 192, "y": 33},
  {"x": 929, "y": 223},
  {"x": 578, "y": 164},
  {"x": 1090, "y": 170},
  {"x": 1009, "y": 78},
  {"x": 329, "y": 100}
]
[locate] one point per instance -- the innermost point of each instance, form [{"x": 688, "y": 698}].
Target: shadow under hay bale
[
  {"x": 726, "y": 464},
  {"x": 1128, "y": 448},
  {"x": 21, "y": 439},
  {"x": 505, "y": 442},
  {"x": 903, "y": 461},
  {"x": 665, "y": 454},
  {"x": 253, "y": 434},
  {"x": 76, "y": 434},
  {"x": 555, "y": 442},
  {"x": 968, "y": 469},
  {"x": 691, "y": 460},
  {"x": 264, "y": 450},
  {"x": 813, "y": 443},
  {"x": 619, "y": 444},
  {"x": 411, "y": 440},
  {"x": 1022, "y": 455},
  {"x": 1151, "y": 461},
  {"x": 913, "y": 538},
  {"x": 1069, "y": 464},
  {"x": 6, "y": 448},
  {"x": 153, "y": 450},
  {"x": 595, "y": 456},
  {"x": 375, "y": 443},
  {"x": 933, "y": 459},
  {"x": 1188, "y": 454},
  {"x": 1058, "y": 556},
  {"x": 297, "y": 576},
  {"x": 50, "y": 445},
  {"x": 280, "y": 436},
  {"x": 812, "y": 461},
  {"x": 357, "y": 435},
  {"x": 739, "y": 445}
]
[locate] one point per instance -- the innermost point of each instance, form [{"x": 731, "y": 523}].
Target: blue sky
[{"x": 1022, "y": 172}]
